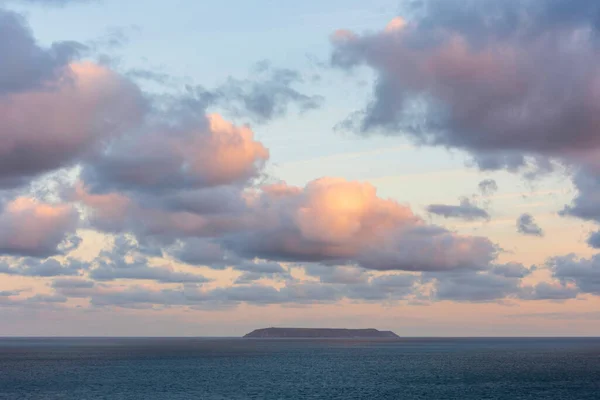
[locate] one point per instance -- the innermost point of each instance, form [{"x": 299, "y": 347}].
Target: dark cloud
[
  {"x": 503, "y": 80},
  {"x": 466, "y": 210},
  {"x": 584, "y": 273},
  {"x": 526, "y": 225},
  {"x": 488, "y": 187}
]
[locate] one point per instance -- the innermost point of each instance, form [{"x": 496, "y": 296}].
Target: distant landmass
[{"x": 309, "y": 333}]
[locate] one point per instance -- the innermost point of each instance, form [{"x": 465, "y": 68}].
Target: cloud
[
  {"x": 72, "y": 283},
  {"x": 29, "y": 227},
  {"x": 27, "y": 65},
  {"x": 201, "y": 153},
  {"x": 267, "y": 95},
  {"x": 549, "y": 291},
  {"x": 486, "y": 286},
  {"x": 466, "y": 210},
  {"x": 584, "y": 273},
  {"x": 337, "y": 274},
  {"x": 124, "y": 261},
  {"x": 41, "y": 268},
  {"x": 526, "y": 225},
  {"x": 585, "y": 205},
  {"x": 594, "y": 240},
  {"x": 302, "y": 293},
  {"x": 89, "y": 105},
  {"x": 488, "y": 187},
  {"x": 388, "y": 287},
  {"x": 333, "y": 221},
  {"x": 476, "y": 76}
]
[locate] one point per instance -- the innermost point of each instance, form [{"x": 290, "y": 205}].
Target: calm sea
[{"x": 219, "y": 369}]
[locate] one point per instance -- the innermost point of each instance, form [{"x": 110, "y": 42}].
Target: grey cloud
[
  {"x": 267, "y": 95},
  {"x": 547, "y": 291},
  {"x": 594, "y": 240},
  {"x": 145, "y": 272},
  {"x": 203, "y": 252},
  {"x": 148, "y": 75},
  {"x": 475, "y": 75},
  {"x": 249, "y": 277},
  {"x": 384, "y": 288},
  {"x": 488, "y": 187},
  {"x": 582, "y": 272},
  {"x": 466, "y": 210},
  {"x": 9, "y": 293},
  {"x": 526, "y": 225},
  {"x": 255, "y": 294},
  {"x": 261, "y": 267},
  {"x": 42, "y": 268},
  {"x": 512, "y": 270},
  {"x": 475, "y": 287},
  {"x": 341, "y": 275},
  {"x": 114, "y": 264},
  {"x": 259, "y": 270},
  {"x": 585, "y": 205},
  {"x": 29, "y": 66},
  {"x": 43, "y": 301},
  {"x": 71, "y": 283}
]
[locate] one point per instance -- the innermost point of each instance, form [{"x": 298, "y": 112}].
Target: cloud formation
[
  {"x": 488, "y": 187},
  {"x": 28, "y": 65},
  {"x": 466, "y": 210},
  {"x": 41, "y": 268},
  {"x": 124, "y": 261},
  {"x": 337, "y": 221},
  {"x": 29, "y": 227},
  {"x": 266, "y": 95},
  {"x": 89, "y": 106},
  {"x": 526, "y": 225},
  {"x": 476, "y": 76},
  {"x": 584, "y": 273}
]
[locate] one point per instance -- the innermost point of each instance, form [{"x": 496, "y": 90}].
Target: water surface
[{"x": 220, "y": 369}]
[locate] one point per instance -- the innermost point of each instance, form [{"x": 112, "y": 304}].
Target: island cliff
[{"x": 309, "y": 333}]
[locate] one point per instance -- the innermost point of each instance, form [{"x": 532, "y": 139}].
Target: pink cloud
[
  {"x": 48, "y": 129},
  {"x": 33, "y": 228}
]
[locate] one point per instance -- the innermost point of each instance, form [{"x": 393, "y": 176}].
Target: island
[{"x": 317, "y": 333}]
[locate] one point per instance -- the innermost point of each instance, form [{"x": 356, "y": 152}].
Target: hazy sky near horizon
[{"x": 207, "y": 168}]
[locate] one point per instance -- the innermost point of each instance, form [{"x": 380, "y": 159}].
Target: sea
[{"x": 241, "y": 369}]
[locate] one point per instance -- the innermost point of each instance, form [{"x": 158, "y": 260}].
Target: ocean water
[{"x": 240, "y": 369}]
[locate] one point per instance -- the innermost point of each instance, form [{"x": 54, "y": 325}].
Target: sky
[{"x": 199, "y": 168}]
